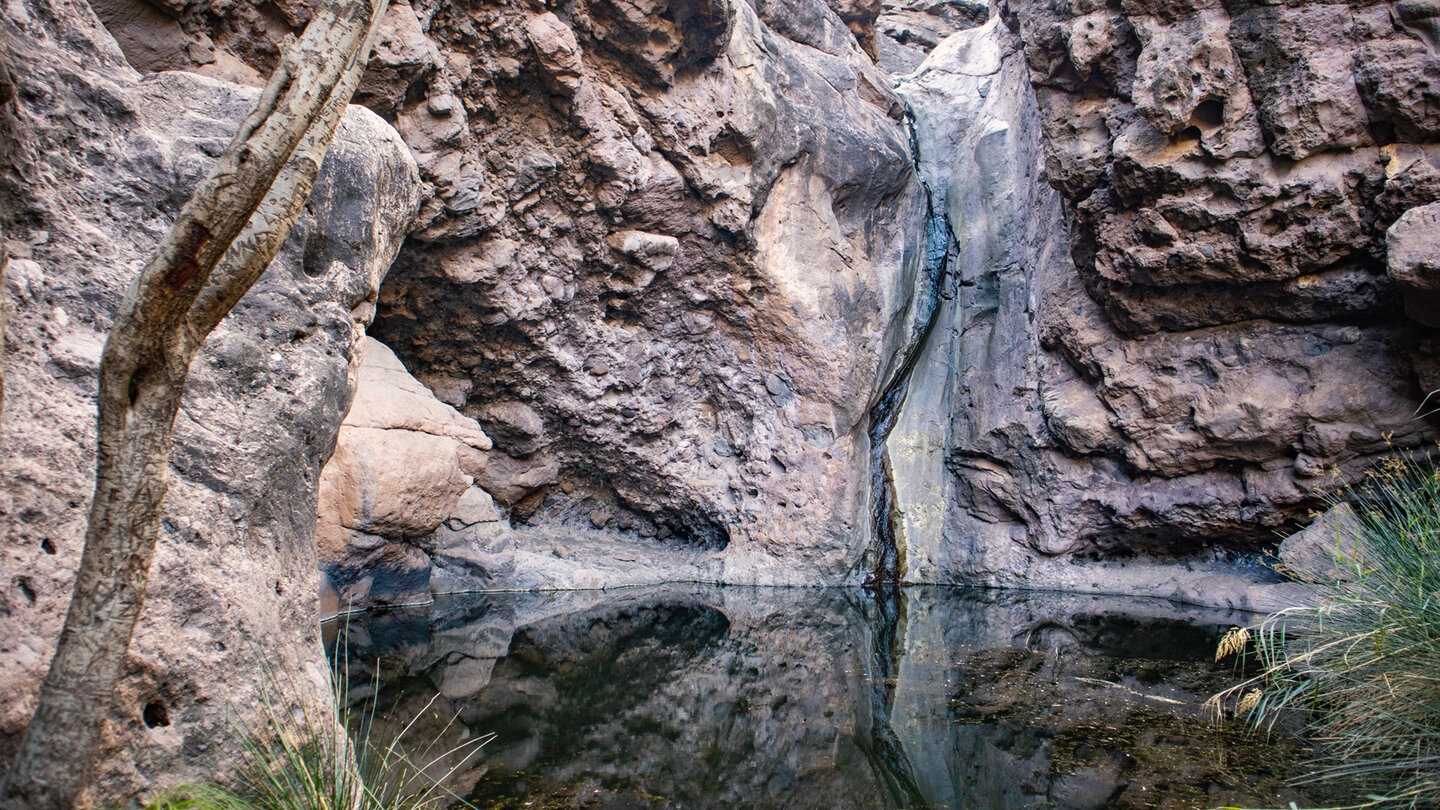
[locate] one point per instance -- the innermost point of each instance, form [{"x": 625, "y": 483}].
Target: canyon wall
[
  {"x": 687, "y": 275},
  {"x": 1153, "y": 287},
  {"x": 1183, "y": 301},
  {"x": 667, "y": 260},
  {"x": 1118, "y": 289},
  {"x": 96, "y": 161}
]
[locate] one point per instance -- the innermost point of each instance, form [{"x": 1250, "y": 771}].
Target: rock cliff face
[
  {"x": 673, "y": 256},
  {"x": 686, "y": 275},
  {"x": 96, "y": 160},
  {"x": 1175, "y": 314},
  {"x": 1113, "y": 285},
  {"x": 667, "y": 259}
]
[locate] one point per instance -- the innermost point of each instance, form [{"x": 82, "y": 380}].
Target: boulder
[
  {"x": 1327, "y": 550},
  {"x": 394, "y": 492},
  {"x": 1412, "y": 253}
]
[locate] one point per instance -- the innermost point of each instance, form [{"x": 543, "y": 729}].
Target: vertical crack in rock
[{"x": 887, "y": 555}]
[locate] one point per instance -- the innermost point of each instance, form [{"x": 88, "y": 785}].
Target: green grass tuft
[{"x": 1362, "y": 667}]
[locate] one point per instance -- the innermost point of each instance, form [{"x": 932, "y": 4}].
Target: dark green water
[{"x": 701, "y": 697}]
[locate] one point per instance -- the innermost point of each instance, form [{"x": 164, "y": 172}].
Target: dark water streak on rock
[{"x": 887, "y": 555}]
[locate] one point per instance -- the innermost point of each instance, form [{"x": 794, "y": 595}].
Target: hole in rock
[
  {"x": 1383, "y": 132},
  {"x": 47, "y": 546},
  {"x": 155, "y": 714},
  {"x": 733, "y": 148},
  {"x": 1210, "y": 114},
  {"x": 23, "y": 583},
  {"x": 315, "y": 261}
]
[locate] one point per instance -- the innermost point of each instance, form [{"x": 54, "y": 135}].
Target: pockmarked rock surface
[
  {"x": 666, "y": 259},
  {"x": 1181, "y": 240},
  {"x": 685, "y": 278},
  {"x": 671, "y": 256},
  {"x": 94, "y": 162}
]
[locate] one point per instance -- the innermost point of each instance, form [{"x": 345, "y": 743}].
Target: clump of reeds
[{"x": 1362, "y": 667}]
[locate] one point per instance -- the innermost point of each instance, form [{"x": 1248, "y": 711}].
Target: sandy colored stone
[
  {"x": 388, "y": 398},
  {"x": 234, "y": 570},
  {"x": 395, "y": 483}
]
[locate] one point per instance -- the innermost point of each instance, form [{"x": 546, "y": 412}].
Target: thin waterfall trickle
[{"x": 888, "y": 551}]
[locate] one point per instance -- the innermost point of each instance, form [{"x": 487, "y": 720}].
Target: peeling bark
[{"x": 7, "y": 92}]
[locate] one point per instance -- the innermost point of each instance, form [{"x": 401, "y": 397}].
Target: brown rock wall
[{"x": 1233, "y": 330}]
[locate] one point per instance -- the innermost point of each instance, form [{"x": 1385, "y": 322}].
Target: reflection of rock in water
[
  {"x": 888, "y": 757},
  {"x": 566, "y": 679},
  {"x": 772, "y": 698}
]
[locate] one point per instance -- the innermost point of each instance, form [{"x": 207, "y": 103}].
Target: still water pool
[{"x": 705, "y": 697}]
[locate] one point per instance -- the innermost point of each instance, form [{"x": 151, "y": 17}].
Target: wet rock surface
[
  {"x": 96, "y": 161},
  {"x": 704, "y": 697}
]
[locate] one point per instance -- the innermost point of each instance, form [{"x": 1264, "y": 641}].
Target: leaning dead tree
[
  {"x": 7, "y": 92},
  {"x": 223, "y": 239}
]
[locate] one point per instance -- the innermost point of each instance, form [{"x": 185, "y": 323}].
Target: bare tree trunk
[
  {"x": 7, "y": 92},
  {"x": 4, "y": 261},
  {"x": 188, "y": 286}
]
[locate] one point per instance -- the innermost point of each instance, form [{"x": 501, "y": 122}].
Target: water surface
[{"x": 707, "y": 697}]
